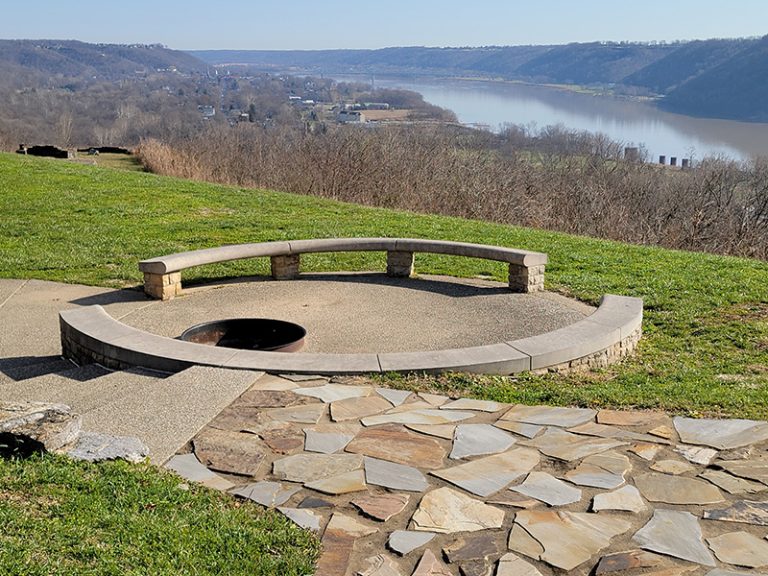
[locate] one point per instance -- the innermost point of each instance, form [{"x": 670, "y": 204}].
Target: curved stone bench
[
  {"x": 162, "y": 275},
  {"x": 89, "y": 334}
]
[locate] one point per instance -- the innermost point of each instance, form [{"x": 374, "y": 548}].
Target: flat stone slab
[
  {"x": 422, "y": 416},
  {"x": 307, "y": 414},
  {"x": 445, "y": 431},
  {"x": 231, "y": 452},
  {"x": 405, "y": 541},
  {"x": 283, "y": 440},
  {"x": 753, "y": 469},
  {"x": 485, "y": 476},
  {"x": 630, "y": 560},
  {"x": 603, "y": 431},
  {"x": 674, "y": 467},
  {"x": 382, "y": 507},
  {"x": 325, "y": 442},
  {"x": 476, "y": 546},
  {"x": 677, "y": 490},
  {"x": 269, "y": 494},
  {"x": 568, "y": 539},
  {"x": 721, "y": 572},
  {"x": 744, "y": 511},
  {"x": 512, "y": 565},
  {"x": 646, "y": 451},
  {"x": 697, "y": 454},
  {"x": 676, "y": 534},
  {"x": 259, "y": 398},
  {"x": 394, "y": 397},
  {"x": 631, "y": 418},
  {"x": 333, "y": 392},
  {"x": 433, "y": 399},
  {"x": 396, "y": 444},
  {"x": 740, "y": 549},
  {"x": 721, "y": 434},
  {"x": 627, "y": 499},
  {"x": 550, "y": 416},
  {"x": 349, "y": 525},
  {"x": 430, "y": 565},
  {"x": 394, "y": 476},
  {"x": 563, "y": 445},
  {"x": 310, "y": 467},
  {"x": 520, "y": 428},
  {"x": 380, "y": 565},
  {"x": 95, "y": 447},
  {"x": 446, "y": 511},
  {"x": 307, "y": 519},
  {"x": 356, "y": 408},
  {"x": 479, "y": 440},
  {"x": 473, "y": 404},
  {"x": 605, "y": 470},
  {"x": 514, "y": 500},
  {"x": 189, "y": 467},
  {"x": 549, "y": 489},
  {"x": 344, "y": 483},
  {"x": 732, "y": 484}
]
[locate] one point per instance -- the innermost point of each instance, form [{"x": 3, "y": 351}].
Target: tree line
[{"x": 551, "y": 178}]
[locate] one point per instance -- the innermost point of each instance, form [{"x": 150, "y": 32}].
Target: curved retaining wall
[{"x": 89, "y": 334}]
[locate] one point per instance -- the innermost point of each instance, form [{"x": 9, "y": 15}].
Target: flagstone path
[{"x": 405, "y": 484}]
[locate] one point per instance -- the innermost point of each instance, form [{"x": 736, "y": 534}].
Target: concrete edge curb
[{"x": 89, "y": 334}]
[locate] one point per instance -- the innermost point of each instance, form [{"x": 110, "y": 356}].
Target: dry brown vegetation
[{"x": 552, "y": 179}]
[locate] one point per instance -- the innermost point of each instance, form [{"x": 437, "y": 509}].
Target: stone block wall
[
  {"x": 526, "y": 278},
  {"x": 601, "y": 359}
]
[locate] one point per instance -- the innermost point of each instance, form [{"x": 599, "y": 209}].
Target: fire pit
[{"x": 248, "y": 334}]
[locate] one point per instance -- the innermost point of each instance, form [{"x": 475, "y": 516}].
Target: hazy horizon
[{"x": 305, "y": 25}]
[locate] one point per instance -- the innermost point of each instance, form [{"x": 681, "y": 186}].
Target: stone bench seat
[
  {"x": 89, "y": 334},
  {"x": 162, "y": 275}
]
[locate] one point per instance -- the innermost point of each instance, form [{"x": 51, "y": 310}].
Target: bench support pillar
[
  {"x": 162, "y": 286},
  {"x": 526, "y": 278},
  {"x": 285, "y": 267},
  {"x": 399, "y": 264}
]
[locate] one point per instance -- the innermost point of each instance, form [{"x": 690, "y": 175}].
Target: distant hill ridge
[
  {"x": 721, "y": 78},
  {"x": 72, "y": 58}
]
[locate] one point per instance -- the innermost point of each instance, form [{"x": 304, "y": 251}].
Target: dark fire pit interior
[{"x": 248, "y": 334}]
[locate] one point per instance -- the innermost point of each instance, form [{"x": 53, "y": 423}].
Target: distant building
[
  {"x": 350, "y": 117},
  {"x": 376, "y": 106},
  {"x": 207, "y": 111}
]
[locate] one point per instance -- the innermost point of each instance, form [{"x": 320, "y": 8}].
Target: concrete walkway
[{"x": 398, "y": 483}]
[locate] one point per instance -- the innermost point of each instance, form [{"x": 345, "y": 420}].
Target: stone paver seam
[
  {"x": 12, "y": 294},
  {"x": 139, "y": 309}
]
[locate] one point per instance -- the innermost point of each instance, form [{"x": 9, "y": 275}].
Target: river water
[{"x": 632, "y": 122}]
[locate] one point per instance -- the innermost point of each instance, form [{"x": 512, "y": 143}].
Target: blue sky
[{"x": 318, "y": 24}]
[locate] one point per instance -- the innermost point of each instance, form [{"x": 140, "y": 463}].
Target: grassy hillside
[{"x": 705, "y": 349}]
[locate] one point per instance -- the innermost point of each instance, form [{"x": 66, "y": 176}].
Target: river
[{"x": 632, "y": 122}]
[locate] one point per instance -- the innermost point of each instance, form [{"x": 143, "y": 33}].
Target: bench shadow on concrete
[
  {"x": 23, "y": 367},
  {"x": 124, "y": 296},
  {"x": 457, "y": 289}
]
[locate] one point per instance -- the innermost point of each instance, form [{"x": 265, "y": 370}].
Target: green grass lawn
[
  {"x": 704, "y": 351},
  {"x": 61, "y": 517},
  {"x": 705, "y": 344}
]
